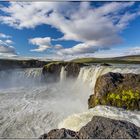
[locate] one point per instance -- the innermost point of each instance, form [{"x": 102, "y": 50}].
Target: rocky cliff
[
  {"x": 11, "y": 63},
  {"x": 52, "y": 71},
  {"x": 115, "y": 89}
]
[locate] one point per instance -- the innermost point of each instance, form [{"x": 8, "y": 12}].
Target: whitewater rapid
[
  {"x": 30, "y": 107},
  {"x": 77, "y": 121}
]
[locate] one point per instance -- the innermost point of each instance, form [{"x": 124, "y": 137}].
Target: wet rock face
[
  {"x": 115, "y": 89},
  {"x": 98, "y": 128},
  {"x": 73, "y": 69},
  {"x": 60, "y": 134},
  {"x": 53, "y": 70},
  {"x": 105, "y": 128}
]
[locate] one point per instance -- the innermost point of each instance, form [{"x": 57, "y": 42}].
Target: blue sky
[{"x": 69, "y": 29}]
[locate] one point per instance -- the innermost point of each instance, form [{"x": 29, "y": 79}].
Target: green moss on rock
[
  {"x": 119, "y": 90},
  {"x": 126, "y": 99}
]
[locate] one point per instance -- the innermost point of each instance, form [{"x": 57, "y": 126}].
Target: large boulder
[
  {"x": 52, "y": 70},
  {"x": 98, "y": 128},
  {"x": 115, "y": 89},
  {"x": 60, "y": 134},
  {"x": 105, "y": 128}
]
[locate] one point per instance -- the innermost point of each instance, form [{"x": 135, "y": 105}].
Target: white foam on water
[{"x": 77, "y": 121}]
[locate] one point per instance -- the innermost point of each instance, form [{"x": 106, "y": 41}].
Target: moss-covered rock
[{"x": 119, "y": 90}]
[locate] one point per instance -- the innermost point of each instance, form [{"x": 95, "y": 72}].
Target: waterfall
[
  {"x": 63, "y": 74},
  {"x": 89, "y": 74},
  {"x": 17, "y": 77}
]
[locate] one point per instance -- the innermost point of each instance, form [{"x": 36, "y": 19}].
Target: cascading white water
[
  {"x": 90, "y": 74},
  {"x": 63, "y": 74},
  {"x": 19, "y": 77},
  {"x": 29, "y": 108}
]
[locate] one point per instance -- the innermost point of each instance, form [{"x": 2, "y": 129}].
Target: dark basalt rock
[
  {"x": 73, "y": 69},
  {"x": 105, "y": 64},
  {"x": 52, "y": 70},
  {"x": 98, "y": 128},
  {"x": 13, "y": 64},
  {"x": 60, "y": 134},
  {"x": 105, "y": 128},
  {"x": 115, "y": 89}
]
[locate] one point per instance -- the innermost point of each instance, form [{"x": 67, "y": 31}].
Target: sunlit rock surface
[{"x": 115, "y": 89}]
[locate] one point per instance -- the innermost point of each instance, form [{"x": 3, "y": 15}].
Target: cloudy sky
[{"x": 69, "y": 29}]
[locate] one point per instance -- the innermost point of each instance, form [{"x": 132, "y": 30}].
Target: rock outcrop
[
  {"x": 52, "y": 70},
  {"x": 105, "y": 64},
  {"x": 115, "y": 89},
  {"x": 60, "y": 134},
  {"x": 105, "y": 128},
  {"x": 98, "y": 128}
]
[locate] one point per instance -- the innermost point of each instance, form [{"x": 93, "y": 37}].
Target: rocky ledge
[
  {"x": 13, "y": 63},
  {"x": 119, "y": 90},
  {"x": 98, "y": 128},
  {"x": 52, "y": 70}
]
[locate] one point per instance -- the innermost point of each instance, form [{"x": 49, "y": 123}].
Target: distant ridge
[{"x": 130, "y": 59}]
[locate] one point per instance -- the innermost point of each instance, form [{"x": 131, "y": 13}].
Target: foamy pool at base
[{"x": 28, "y": 113}]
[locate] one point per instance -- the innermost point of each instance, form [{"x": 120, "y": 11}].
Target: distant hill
[
  {"x": 33, "y": 63},
  {"x": 131, "y": 59}
]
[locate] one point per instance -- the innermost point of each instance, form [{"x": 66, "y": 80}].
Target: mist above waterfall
[
  {"x": 20, "y": 77},
  {"x": 30, "y": 107}
]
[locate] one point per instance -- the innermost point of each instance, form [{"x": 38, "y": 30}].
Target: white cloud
[
  {"x": 77, "y": 49},
  {"x": 28, "y": 14},
  {"x": 95, "y": 27},
  {"x": 42, "y": 43},
  {"x": 58, "y": 47},
  {"x": 2, "y": 35},
  {"x": 133, "y": 51},
  {"x": 8, "y": 41},
  {"x": 7, "y": 51},
  {"x": 5, "y": 46}
]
